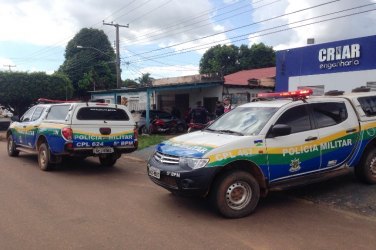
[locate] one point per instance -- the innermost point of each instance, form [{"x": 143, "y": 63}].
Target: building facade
[{"x": 341, "y": 65}]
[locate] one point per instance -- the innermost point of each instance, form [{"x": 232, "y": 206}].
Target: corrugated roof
[{"x": 243, "y": 77}]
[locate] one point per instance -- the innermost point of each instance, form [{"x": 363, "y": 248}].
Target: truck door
[
  {"x": 22, "y": 126},
  {"x": 338, "y": 129},
  {"x": 296, "y": 153},
  {"x": 33, "y": 126}
]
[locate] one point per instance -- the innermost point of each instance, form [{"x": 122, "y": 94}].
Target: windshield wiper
[
  {"x": 209, "y": 129},
  {"x": 230, "y": 132}
]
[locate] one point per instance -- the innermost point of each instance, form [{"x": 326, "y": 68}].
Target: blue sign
[{"x": 341, "y": 56}]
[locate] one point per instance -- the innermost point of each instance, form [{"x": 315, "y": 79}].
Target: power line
[
  {"x": 241, "y": 27},
  {"x": 117, "y": 26},
  {"x": 194, "y": 48},
  {"x": 9, "y": 66}
]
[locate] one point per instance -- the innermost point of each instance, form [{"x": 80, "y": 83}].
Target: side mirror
[{"x": 280, "y": 130}]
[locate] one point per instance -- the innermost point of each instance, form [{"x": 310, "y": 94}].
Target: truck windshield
[{"x": 244, "y": 120}]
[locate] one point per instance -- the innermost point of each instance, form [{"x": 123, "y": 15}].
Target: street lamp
[{"x": 118, "y": 78}]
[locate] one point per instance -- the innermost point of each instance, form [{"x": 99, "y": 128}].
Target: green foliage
[
  {"x": 225, "y": 59},
  {"x": 21, "y": 90},
  {"x": 91, "y": 66},
  {"x": 128, "y": 83},
  {"x": 145, "y": 80},
  {"x": 150, "y": 140}
]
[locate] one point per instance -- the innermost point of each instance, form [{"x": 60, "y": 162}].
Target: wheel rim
[
  {"x": 372, "y": 167},
  {"x": 43, "y": 157},
  {"x": 238, "y": 195}
]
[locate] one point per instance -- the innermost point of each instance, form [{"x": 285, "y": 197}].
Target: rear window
[
  {"x": 102, "y": 113},
  {"x": 58, "y": 112},
  {"x": 368, "y": 105}
]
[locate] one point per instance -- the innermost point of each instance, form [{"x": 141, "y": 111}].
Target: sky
[{"x": 167, "y": 38}]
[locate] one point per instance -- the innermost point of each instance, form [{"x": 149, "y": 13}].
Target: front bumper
[{"x": 177, "y": 180}]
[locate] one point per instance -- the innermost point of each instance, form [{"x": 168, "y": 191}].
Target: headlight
[{"x": 193, "y": 163}]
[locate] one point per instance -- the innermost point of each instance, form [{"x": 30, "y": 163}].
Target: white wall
[{"x": 345, "y": 81}]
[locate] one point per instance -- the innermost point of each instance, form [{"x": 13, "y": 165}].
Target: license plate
[
  {"x": 155, "y": 172},
  {"x": 103, "y": 150}
]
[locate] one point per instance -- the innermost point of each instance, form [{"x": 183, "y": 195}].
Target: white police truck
[
  {"x": 57, "y": 129},
  {"x": 291, "y": 140}
]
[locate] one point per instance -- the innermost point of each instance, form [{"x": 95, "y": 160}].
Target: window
[
  {"x": 38, "y": 112},
  {"x": 368, "y": 105},
  {"x": 244, "y": 120},
  {"x": 102, "y": 113},
  {"x": 58, "y": 112},
  {"x": 297, "y": 118},
  {"x": 27, "y": 116},
  {"x": 329, "y": 114}
]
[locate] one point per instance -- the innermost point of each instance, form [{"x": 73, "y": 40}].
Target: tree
[
  {"x": 220, "y": 59},
  {"x": 20, "y": 90},
  {"x": 261, "y": 56},
  {"x": 224, "y": 59},
  {"x": 128, "y": 83},
  {"x": 92, "y": 64},
  {"x": 145, "y": 80}
]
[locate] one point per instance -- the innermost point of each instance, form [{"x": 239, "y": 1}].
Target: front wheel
[
  {"x": 366, "y": 169},
  {"x": 44, "y": 157},
  {"x": 12, "y": 151},
  {"x": 107, "y": 160},
  {"x": 236, "y": 194}
]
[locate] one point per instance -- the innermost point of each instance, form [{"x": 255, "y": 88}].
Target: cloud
[
  {"x": 324, "y": 31},
  {"x": 54, "y": 22}
]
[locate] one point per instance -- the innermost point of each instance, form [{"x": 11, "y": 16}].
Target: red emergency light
[
  {"x": 44, "y": 100},
  {"x": 297, "y": 94}
]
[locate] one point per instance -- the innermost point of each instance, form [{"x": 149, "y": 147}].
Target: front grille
[{"x": 167, "y": 159}]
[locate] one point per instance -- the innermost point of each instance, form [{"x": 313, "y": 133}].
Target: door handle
[
  {"x": 311, "y": 138},
  {"x": 351, "y": 130}
]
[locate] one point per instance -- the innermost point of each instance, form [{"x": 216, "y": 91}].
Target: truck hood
[{"x": 195, "y": 144}]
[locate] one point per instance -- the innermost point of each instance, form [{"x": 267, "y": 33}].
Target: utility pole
[
  {"x": 118, "y": 77},
  {"x": 9, "y": 66}
]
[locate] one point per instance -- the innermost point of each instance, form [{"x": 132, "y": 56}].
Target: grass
[{"x": 145, "y": 141}]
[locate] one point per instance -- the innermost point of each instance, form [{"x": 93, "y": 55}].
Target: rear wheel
[
  {"x": 44, "y": 157},
  {"x": 108, "y": 160},
  {"x": 12, "y": 151},
  {"x": 366, "y": 169},
  {"x": 236, "y": 194}
]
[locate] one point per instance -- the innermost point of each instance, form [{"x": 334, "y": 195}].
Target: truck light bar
[
  {"x": 44, "y": 100},
  {"x": 298, "y": 94}
]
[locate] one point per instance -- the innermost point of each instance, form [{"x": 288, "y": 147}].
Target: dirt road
[{"x": 85, "y": 206}]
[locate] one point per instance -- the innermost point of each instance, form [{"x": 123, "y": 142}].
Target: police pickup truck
[
  {"x": 56, "y": 130},
  {"x": 270, "y": 145}
]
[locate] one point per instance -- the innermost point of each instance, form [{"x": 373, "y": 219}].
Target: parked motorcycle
[
  {"x": 196, "y": 126},
  {"x": 160, "y": 126}
]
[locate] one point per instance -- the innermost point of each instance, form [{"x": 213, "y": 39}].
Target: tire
[
  {"x": 107, "y": 160},
  {"x": 365, "y": 171},
  {"x": 235, "y": 194},
  {"x": 44, "y": 157},
  {"x": 180, "y": 128},
  {"x": 11, "y": 146},
  {"x": 144, "y": 130}
]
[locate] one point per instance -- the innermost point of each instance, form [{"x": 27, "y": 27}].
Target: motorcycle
[
  {"x": 196, "y": 126},
  {"x": 160, "y": 126}
]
